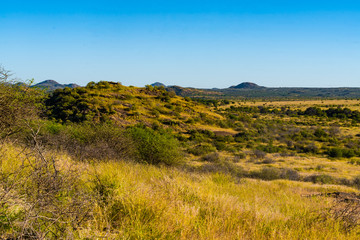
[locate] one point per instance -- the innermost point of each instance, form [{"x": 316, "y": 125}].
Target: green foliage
[
  {"x": 321, "y": 178},
  {"x": 19, "y": 104},
  {"x": 200, "y": 136},
  {"x": 319, "y": 132},
  {"x": 222, "y": 146},
  {"x": 155, "y": 147},
  {"x": 267, "y": 173},
  {"x": 202, "y": 149},
  {"x": 77, "y": 105},
  {"x": 271, "y": 173},
  {"x": 223, "y": 166},
  {"x": 335, "y": 152},
  {"x": 212, "y": 157}
]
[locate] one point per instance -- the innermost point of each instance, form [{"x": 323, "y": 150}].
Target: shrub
[
  {"x": 356, "y": 181},
  {"x": 271, "y": 173},
  {"x": 267, "y": 173},
  {"x": 290, "y": 174},
  {"x": 354, "y": 161},
  {"x": 322, "y": 178},
  {"x": 212, "y": 157},
  {"x": 266, "y": 161},
  {"x": 155, "y": 147},
  {"x": 259, "y": 154},
  {"x": 41, "y": 199},
  {"x": 89, "y": 141},
  {"x": 310, "y": 148},
  {"x": 221, "y": 146},
  {"x": 202, "y": 149},
  {"x": 319, "y": 132},
  {"x": 335, "y": 152},
  {"x": 348, "y": 153},
  {"x": 225, "y": 167},
  {"x": 18, "y": 104}
]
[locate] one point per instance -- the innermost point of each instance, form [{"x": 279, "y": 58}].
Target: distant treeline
[{"x": 339, "y": 112}]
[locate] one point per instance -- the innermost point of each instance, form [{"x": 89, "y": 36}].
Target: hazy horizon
[{"x": 216, "y": 44}]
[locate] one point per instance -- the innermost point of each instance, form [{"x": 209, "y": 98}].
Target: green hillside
[{"x": 108, "y": 101}]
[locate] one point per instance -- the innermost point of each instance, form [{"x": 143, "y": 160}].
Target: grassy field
[
  {"x": 115, "y": 162},
  {"x": 135, "y": 201},
  {"x": 353, "y": 104}
]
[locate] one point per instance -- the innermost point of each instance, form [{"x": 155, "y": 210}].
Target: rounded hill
[{"x": 247, "y": 85}]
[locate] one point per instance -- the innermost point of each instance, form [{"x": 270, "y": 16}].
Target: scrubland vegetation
[{"x": 116, "y": 162}]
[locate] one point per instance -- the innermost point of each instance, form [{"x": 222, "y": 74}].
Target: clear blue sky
[{"x": 188, "y": 43}]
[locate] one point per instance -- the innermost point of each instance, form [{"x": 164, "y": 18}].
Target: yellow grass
[
  {"x": 148, "y": 202},
  {"x": 193, "y": 206},
  {"x": 215, "y": 129},
  {"x": 306, "y": 165},
  {"x": 353, "y": 104}
]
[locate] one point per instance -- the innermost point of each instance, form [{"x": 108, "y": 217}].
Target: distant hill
[
  {"x": 252, "y": 90},
  {"x": 53, "y": 85},
  {"x": 247, "y": 85},
  {"x": 158, "y": 84}
]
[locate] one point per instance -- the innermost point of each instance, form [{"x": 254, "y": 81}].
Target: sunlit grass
[
  {"x": 151, "y": 202},
  {"x": 353, "y": 104},
  {"x": 306, "y": 165},
  {"x": 137, "y": 201}
]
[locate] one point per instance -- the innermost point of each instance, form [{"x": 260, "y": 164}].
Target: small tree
[{"x": 18, "y": 104}]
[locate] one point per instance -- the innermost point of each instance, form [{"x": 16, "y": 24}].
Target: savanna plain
[{"x": 107, "y": 161}]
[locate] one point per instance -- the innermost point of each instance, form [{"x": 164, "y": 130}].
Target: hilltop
[
  {"x": 127, "y": 105},
  {"x": 158, "y": 84},
  {"x": 51, "y": 85},
  {"x": 247, "y": 85}
]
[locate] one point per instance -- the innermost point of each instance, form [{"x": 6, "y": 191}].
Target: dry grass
[
  {"x": 353, "y": 104},
  {"x": 136, "y": 201},
  {"x": 171, "y": 204},
  {"x": 306, "y": 165},
  {"x": 216, "y": 129}
]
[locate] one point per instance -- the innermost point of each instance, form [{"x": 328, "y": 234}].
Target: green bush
[
  {"x": 155, "y": 147},
  {"x": 322, "y": 178},
  {"x": 267, "y": 173},
  {"x": 77, "y": 105},
  {"x": 271, "y": 173},
  {"x": 222, "y": 166},
  {"x": 349, "y": 153},
  {"x": 290, "y": 174},
  {"x": 212, "y": 157},
  {"x": 335, "y": 152},
  {"x": 202, "y": 149}
]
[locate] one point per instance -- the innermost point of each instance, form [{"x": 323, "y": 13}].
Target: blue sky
[{"x": 188, "y": 43}]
